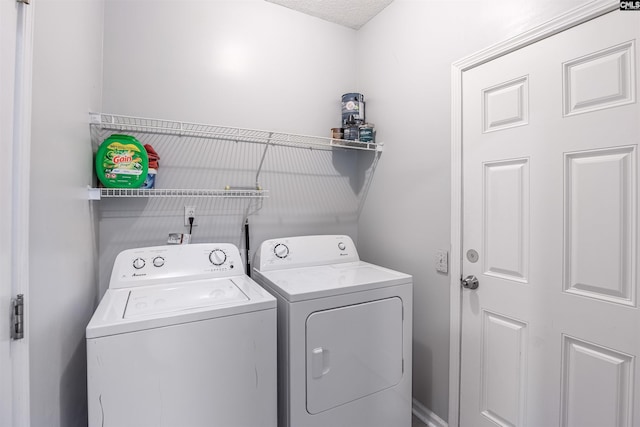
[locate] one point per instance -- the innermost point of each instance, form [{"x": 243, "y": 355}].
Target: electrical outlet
[
  {"x": 442, "y": 261},
  {"x": 189, "y": 212}
]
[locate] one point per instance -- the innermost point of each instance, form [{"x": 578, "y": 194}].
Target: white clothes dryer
[
  {"x": 182, "y": 337},
  {"x": 344, "y": 334}
]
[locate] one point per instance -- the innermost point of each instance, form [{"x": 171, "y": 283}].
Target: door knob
[{"x": 470, "y": 282}]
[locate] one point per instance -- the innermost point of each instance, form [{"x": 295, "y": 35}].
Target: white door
[
  {"x": 8, "y": 20},
  {"x": 551, "y": 337},
  {"x": 16, "y": 24}
]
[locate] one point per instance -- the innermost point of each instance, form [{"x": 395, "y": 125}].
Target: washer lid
[
  {"x": 134, "y": 309},
  {"x": 169, "y": 298},
  {"x": 299, "y": 284}
]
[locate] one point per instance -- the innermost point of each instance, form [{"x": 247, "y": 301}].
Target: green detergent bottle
[{"x": 122, "y": 162}]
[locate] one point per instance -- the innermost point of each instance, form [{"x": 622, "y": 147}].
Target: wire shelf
[
  {"x": 171, "y": 133},
  {"x": 98, "y": 193},
  {"x": 168, "y": 127}
]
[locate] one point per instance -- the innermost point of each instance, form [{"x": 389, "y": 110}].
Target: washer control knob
[
  {"x": 138, "y": 263},
  {"x": 158, "y": 261},
  {"x": 281, "y": 250},
  {"x": 217, "y": 257},
  {"x": 342, "y": 246}
]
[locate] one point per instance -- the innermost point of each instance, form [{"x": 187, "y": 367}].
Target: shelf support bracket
[
  {"x": 94, "y": 193},
  {"x": 264, "y": 154},
  {"x": 95, "y": 118}
]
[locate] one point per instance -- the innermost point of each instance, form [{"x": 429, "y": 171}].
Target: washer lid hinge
[{"x": 17, "y": 317}]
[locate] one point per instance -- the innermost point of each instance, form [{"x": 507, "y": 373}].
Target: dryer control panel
[
  {"x": 305, "y": 251},
  {"x": 160, "y": 264}
]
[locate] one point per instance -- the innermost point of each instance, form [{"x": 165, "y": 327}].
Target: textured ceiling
[{"x": 350, "y": 13}]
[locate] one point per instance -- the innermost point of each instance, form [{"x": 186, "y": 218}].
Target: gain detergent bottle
[{"x": 122, "y": 162}]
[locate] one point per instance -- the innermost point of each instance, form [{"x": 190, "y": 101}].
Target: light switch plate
[{"x": 442, "y": 261}]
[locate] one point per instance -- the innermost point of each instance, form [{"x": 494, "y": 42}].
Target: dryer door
[{"x": 353, "y": 352}]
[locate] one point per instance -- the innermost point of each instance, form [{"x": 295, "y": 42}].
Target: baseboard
[{"x": 425, "y": 415}]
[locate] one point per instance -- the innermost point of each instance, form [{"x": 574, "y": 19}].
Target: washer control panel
[
  {"x": 160, "y": 264},
  {"x": 304, "y": 251}
]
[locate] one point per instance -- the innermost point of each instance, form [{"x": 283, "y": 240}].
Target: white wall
[
  {"x": 404, "y": 57},
  {"x": 63, "y": 292},
  {"x": 284, "y": 71},
  {"x": 245, "y": 63}
]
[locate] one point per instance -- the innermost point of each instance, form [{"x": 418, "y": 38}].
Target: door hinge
[
  {"x": 17, "y": 317},
  {"x": 24, "y": 1}
]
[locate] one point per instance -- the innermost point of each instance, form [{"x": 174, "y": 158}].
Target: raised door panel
[
  {"x": 600, "y": 210},
  {"x": 597, "y": 385},
  {"x": 504, "y": 366},
  {"x": 506, "y": 105},
  {"x": 506, "y": 219},
  {"x": 600, "y": 80}
]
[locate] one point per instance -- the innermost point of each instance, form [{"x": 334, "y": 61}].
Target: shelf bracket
[
  {"x": 94, "y": 193},
  {"x": 264, "y": 154},
  {"x": 95, "y": 118}
]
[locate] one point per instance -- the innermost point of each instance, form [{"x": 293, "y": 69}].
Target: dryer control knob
[
  {"x": 281, "y": 250},
  {"x": 217, "y": 257},
  {"x": 158, "y": 261},
  {"x": 138, "y": 263},
  {"x": 342, "y": 246}
]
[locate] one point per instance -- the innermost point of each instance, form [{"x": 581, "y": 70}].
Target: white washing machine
[
  {"x": 344, "y": 334},
  {"x": 182, "y": 338}
]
